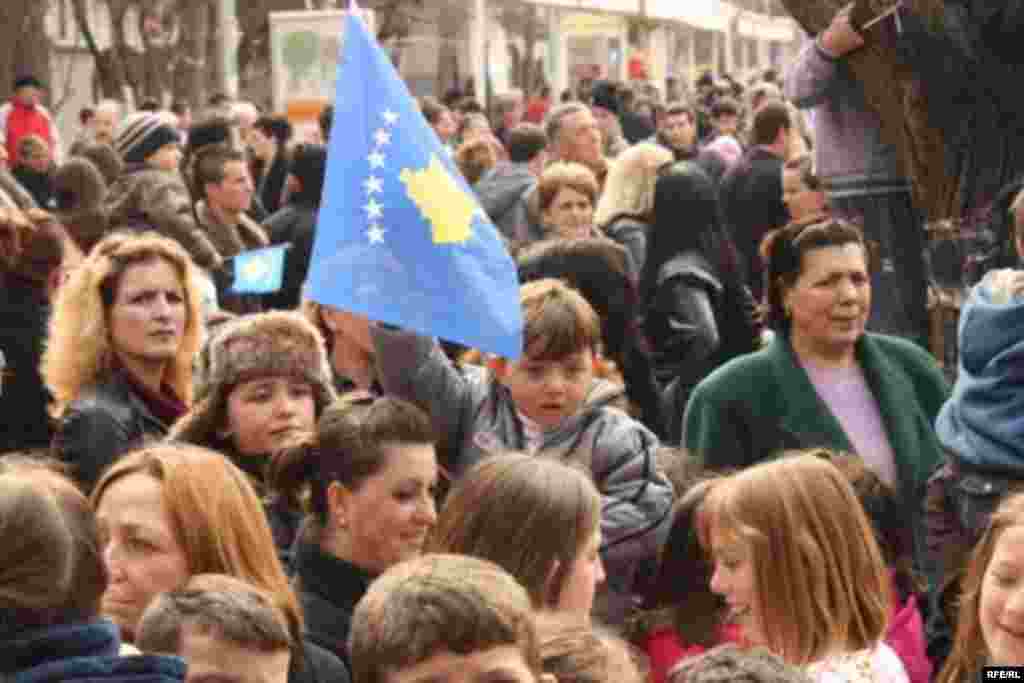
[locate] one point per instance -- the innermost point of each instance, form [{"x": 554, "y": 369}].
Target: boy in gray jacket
[{"x": 548, "y": 402}]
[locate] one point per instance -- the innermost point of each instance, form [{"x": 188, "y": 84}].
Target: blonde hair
[
  {"x": 566, "y": 174},
  {"x": 822, "y": 585},
  {"x": 475, "y": 158},
  {"x": 969, "y": 650},
  {"x": 78, "y": 347},
  {"x": 215, "y": 515},
  {"x": 629, "y": 187}
]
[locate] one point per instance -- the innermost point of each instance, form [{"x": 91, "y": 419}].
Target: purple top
[
  {"x": 846, "y": 393},
  {"x": 851, "y": 156}
]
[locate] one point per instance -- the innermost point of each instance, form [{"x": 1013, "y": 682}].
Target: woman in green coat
[{"x": 823, "y": 381}]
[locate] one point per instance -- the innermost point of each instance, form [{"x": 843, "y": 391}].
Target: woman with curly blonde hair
[
  {"x": 626, "y": 208},
  {"x": 124, "y": 330}
]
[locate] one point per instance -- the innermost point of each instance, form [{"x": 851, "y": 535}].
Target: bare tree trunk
[
  {"x": 891, "y": 90},
  {"x": 24, "y": 46},
  {"x": 449, "y": 26},
  {"x": 190, "y": 76}
]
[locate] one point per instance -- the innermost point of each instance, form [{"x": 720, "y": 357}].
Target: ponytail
[
  {"x": 294, "y": 475},
  {"x": 346, "y": 448}
]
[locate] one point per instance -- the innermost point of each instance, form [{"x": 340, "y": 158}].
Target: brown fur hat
[{"x": 278, "y": 343}]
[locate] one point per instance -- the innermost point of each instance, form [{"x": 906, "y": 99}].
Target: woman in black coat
[
  {"x": 268, "y": 143},
  {"x": 697, "y": 312}
]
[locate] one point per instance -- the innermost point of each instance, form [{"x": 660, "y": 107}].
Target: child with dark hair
[
  {"x": 682, "y": 617},
  {"x": 549, "y": 402}
]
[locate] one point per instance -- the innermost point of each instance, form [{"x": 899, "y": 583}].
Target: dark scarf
[{"x": 164, "y": 406}]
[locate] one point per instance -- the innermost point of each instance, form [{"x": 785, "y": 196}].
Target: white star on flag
[
  {"x": 376, "y": 159},
  {"x": 375, "y": 233},
  {"x": 374, "y": 209},
  {"x": 373, "y": 185},
  {"x": 390, "y": 117},
  {"x": 382, "y": 137}
]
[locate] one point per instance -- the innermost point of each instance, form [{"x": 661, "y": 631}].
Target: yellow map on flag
[{"x": 442, "y": 202}]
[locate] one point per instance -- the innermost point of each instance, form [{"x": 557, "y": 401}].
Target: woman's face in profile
[{"x": 140, "y": 549}]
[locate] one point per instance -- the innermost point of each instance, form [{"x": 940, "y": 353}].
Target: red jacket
[
  {"x": 665, "y": 650},
  {"x": 17, "y": 121}
]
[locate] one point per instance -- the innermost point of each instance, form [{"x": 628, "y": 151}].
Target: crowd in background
[{"x": 725, "y": 453}]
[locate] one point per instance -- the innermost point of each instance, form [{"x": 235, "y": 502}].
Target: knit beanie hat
[
  {"x": 143, "y": 134},
  {"x": 273, "y": 344}
]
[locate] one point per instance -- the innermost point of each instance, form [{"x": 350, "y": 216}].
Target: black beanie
[{"x": 143, "y": 134}]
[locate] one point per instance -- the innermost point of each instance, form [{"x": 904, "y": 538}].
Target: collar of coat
[
  {"x": 230, "y": 239},
  {"x": 806, "y": 417}
]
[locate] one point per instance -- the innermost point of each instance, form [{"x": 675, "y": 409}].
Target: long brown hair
[
  {"x": 216, "y": 516},
  {"x": 969, "y": 649},
  {"x": 348, "y": 447},
  {"x": 523, "y": 513},
  {"x": 822, "y": 585}
]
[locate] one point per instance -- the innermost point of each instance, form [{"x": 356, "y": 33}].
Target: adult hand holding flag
[{"x": 400, "y": 236}]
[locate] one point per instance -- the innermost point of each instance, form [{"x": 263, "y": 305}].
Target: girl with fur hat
[
  {"x": 264, "y": 381},
  {"x": 124, "y": 330},
  {"x": 369, "y": 476}
]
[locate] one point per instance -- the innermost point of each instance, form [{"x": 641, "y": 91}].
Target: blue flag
[
  {"x": 259, "y": 271},
  {"x": 400, "y": 236}
]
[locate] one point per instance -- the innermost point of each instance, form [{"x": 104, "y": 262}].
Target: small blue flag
[
  {"x": 260, "y": 271},
  {"x": 400, "y": 236}
]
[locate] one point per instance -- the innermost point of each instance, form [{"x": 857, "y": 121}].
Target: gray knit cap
[{"x": 143, "y": 134}]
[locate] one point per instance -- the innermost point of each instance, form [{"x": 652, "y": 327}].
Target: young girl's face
[
  {"x": 1001, "y": 611},
  {"x": 734, "y": 579}
]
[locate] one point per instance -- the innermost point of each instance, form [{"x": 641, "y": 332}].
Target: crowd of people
[{"x": 725, "y": 453}]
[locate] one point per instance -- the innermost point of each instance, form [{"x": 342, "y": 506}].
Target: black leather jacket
[
  {"x": 695, "y": 323},
  {"x": 106, "y": 421}
]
